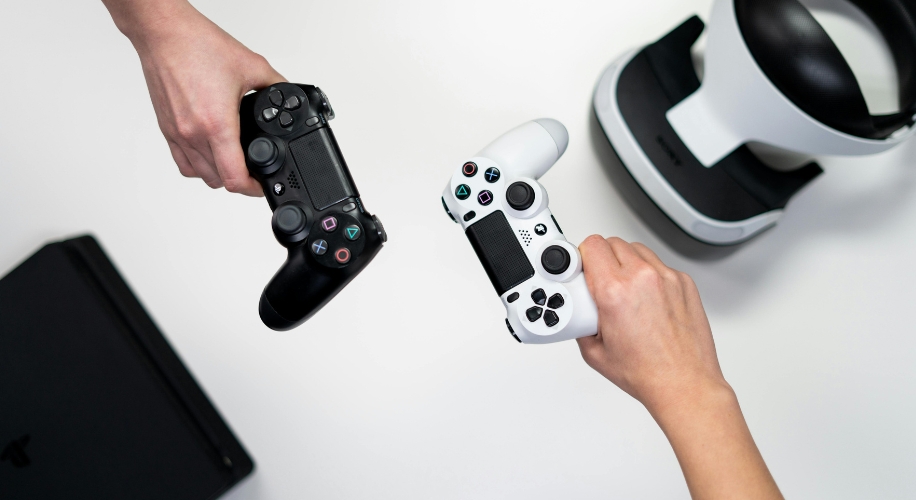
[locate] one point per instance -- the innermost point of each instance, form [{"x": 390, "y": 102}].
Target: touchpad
[
  {"x": 500, "y": 252},
  {"x": 322, "y": 169}
]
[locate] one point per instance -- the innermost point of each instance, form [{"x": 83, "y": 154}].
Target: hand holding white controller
[{"x": 504, "y": 211}]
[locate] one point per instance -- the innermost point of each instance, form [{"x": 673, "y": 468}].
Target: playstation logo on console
[{"x": 14, "y": 452}]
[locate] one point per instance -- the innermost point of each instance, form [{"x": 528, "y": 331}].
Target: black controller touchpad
[
  {"x": 500, "y": 252},
  {"x": 322, "y": 169}
]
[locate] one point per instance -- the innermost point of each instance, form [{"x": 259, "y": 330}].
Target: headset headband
[{"x": 801, "y": 59}]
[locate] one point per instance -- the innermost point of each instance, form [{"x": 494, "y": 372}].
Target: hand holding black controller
[{"x": 318, "y": 215}]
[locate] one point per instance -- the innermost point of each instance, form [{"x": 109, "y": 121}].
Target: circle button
[
  {"x": 342, "y": 256},
  {"x": 469, "y": 169},
  {"x": 555, "y": 260},
  {"x": 520, "y": 196},
  {"x": 262, "y": 152},
  {"x": 463, "y": 192}
]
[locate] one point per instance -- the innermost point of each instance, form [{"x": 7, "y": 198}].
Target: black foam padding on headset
[
  {"x": 895, "y": 20},
  {"x": 798, "y": 56},
  {"x": 737, "y": 188},
  {"x": 499, "y": 251}
]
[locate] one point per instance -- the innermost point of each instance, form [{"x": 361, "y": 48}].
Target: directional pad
[
  {"x": 539, "y": 296},
  {"x": 556, "y": 301},
  {"x": 269, "y": 114},
  {"x": 551, "y": 318},
  {"x": 292, "y": 103},
  {"x": 276, "y": 97},
  {"x": 534, "y": 314}
]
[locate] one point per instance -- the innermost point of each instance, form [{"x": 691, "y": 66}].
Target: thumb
[{"x": 263, "y": 76}]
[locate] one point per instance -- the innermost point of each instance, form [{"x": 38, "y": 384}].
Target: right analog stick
[
  {"x": 262, "y": 152},
  {"x": 555, "y": 260},
  {"x": 290, "y": 219},
  {"x": 520, "y": 196}
]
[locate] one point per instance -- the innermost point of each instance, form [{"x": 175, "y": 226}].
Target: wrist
[
  {"x": 144, "y": 22},
  {"x": 692, "y": 402}
]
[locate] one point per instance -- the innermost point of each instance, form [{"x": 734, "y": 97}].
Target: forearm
[
  {"x": 714, "y": 446},
  {"x": 140, "y": 19}
]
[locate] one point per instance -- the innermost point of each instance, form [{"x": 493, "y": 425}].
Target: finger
[
  {"x": 591, "y": 348},
  {"x": 181, "y": 159},
  {"x": 264, "y": 76},
  {"x": 230, "y": 164},
  {"x": 599, "y": 265},
  {"x": 624, "y": 252},
  {"x": 204, "y": 167},
  {"x": 649, "y": 256}
]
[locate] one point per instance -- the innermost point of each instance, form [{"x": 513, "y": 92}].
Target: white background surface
[{"x": 408, "y": 386}]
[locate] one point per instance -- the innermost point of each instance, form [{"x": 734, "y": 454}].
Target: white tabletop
[{"x": 408, "y": 386}]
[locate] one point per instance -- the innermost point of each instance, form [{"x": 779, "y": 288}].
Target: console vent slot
[
  {"x": 293, "y": 181},
  {"x": 526, "y": 236}
]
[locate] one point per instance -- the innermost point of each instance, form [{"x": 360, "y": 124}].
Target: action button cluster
[
  {"x": 330, "y": 224},
  {"x": 539, "y": 297}
]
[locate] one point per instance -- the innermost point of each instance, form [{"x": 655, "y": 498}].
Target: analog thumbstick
[
  {"x": 520, "y": 196},
  {"x": 262, "y": 152},
  {"x": 290, "y": 219},
  {"x": 555, "y": 260}
]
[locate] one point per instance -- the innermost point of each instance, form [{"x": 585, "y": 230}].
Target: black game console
[
  {"x": 94, "y": 403},
  {"x": 318, "y": 214}
]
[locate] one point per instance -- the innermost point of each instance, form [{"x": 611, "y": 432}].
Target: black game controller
[{"x": 318, "y": 216}]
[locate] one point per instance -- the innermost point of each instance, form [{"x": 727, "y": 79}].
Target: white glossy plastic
[
  {"x": 525, "y": 154},
  {"x": 737, "y": 104},
  {"x": 694, "y": 223}
]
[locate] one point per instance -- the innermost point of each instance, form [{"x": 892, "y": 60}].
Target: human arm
[
  {"x": 196, "y": 74},
  {"x": 655, "y": 343}
]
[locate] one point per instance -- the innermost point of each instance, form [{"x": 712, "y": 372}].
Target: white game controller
[{"x": 504, "y": 212}]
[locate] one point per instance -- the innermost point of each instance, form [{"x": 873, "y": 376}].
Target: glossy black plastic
[{"x": 310, "y": 174}]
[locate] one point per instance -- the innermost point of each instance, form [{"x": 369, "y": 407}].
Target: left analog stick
[{"x": 262, "y": 152}]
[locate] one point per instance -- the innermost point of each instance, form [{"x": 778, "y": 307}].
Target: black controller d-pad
[
  {"x": 520, "y": 196},
  {"x": 555, "y": 260},
  {"x": 539, "y": 297},
  {"x": 283, "y": 109},
  {"x": 292, "y": 103},
  {"x": 556, "y": 301},
  {"x": 276, "y": 97}
]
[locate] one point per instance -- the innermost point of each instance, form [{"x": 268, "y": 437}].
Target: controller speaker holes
[
  {"x": 526, "y": 236},
  {"x": 292, "y": 180}
]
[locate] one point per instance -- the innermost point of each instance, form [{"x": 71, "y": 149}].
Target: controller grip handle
[
  {"x": 298, "y": 291},
  {"x": 529, "y": 150}
]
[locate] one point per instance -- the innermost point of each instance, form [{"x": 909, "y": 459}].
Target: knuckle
[
  {"x": 647, "y": 275},
  {"x": 234, "y": 185}
]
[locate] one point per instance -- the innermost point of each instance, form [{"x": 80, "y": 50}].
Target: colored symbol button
[
  {"x": 463, "y": 192},
  {"x": 492, "y": 174},
  {"x": 320, "y": 247},
  {"x": 469, "y": 169},
  {"x": 352, "y": 232},
  {"x": 342, "y": 256},
  {"x": 485, "y": 198},
  {"x": 329, "y": 224}
]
